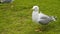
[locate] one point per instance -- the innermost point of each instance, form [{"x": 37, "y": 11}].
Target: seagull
[
  {"x": 41, "y": 18},
  {"x": 6, "y": 1}
]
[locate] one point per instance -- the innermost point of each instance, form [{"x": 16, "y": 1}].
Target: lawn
[{"x": 15, "y": 18}]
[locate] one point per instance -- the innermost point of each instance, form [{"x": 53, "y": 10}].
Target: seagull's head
[{"x": 35, "y": 8}]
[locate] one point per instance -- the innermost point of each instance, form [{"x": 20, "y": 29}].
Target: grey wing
[
  {"x": 44, "y": 17},
  {"x": 3, "y": 1},
  {"x": 44, "y": 20}
]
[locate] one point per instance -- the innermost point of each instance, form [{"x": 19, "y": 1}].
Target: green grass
[{"x": 17, "y": 19}]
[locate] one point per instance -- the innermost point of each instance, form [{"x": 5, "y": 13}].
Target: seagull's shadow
[{"x": 47, "y": 27}]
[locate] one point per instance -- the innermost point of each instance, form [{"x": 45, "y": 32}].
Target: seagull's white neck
[{"x": 35, "y": 15}]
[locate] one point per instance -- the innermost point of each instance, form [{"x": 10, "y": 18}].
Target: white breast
[{"x": 35, "y": 16}]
